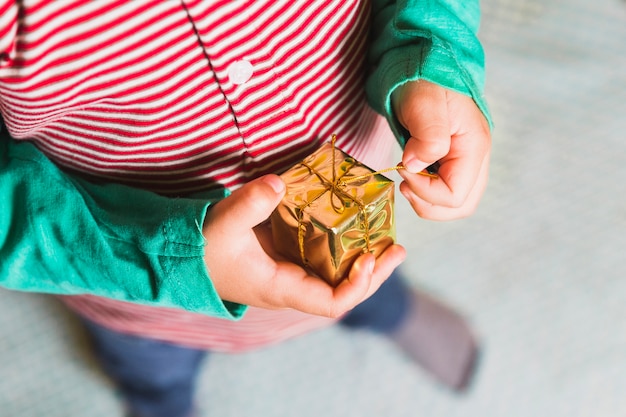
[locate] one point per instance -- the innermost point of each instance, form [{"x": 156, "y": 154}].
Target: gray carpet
[{"x": 540, "y": 268}]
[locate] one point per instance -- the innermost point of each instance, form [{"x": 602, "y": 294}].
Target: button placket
[{"x": 240, "y": 71}]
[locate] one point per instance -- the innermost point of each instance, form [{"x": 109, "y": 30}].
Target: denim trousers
[{"x": 157, "y": 379}]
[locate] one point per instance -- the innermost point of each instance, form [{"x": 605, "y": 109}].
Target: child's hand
[
  {"x": 244, "y": 269},
  {"x": 448, "y": 127}
]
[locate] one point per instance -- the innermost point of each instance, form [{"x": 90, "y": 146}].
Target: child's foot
[{"x": 439, "y": 340}]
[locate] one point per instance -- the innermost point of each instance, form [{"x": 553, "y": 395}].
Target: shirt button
[{"x": 240, "y": 71}]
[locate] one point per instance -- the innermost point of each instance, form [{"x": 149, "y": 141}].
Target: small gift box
[{"x": 334, "y": 210}]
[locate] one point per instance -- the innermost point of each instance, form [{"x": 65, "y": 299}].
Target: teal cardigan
[{"x": 61, "y": 234}]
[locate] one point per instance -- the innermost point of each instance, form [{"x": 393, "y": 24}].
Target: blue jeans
[{"x": 158, "y": 379}]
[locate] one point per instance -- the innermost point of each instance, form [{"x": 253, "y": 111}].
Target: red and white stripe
[{"x": 139, "y": 92}]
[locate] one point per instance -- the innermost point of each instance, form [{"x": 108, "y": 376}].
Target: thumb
[
  {"x": 253, "y": 203},
  {"x": 423, "y": 111}
]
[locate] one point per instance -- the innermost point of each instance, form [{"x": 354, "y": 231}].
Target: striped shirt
[{"x": 185, "y": 96}]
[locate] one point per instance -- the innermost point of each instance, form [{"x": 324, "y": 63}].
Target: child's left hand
[{"x": 447, "y": 127}]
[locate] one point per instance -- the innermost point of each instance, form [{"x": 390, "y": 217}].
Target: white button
[{"x": 240, "y": 71}]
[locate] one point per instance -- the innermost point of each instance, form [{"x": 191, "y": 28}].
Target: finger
[
  {"x": 427, "y": 210},
  {"x": 251, "y": 204},
  {"x": 365, "y": 277},
  {"x": 349, "y": 293},
  {"x": 427, "y": 120},
  {"x": 355, "y": 287},
  {"x": 386, "y": 263},
  {"x": 456, "y": 178}
]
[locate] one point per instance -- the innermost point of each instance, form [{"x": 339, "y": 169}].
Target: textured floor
[{"x": 540, "y": 268}]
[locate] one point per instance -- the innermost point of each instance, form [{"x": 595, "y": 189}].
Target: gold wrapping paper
[{"x": 334, "y": 210}]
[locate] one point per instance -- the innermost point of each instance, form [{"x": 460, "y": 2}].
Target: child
[{"x": 132, "y": 121}]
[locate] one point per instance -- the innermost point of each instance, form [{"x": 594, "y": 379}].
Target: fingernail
[
  {"x": 275, "y": 182},
  {"x": 415, "y": 165}
]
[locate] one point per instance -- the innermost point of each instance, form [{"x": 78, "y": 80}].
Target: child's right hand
[{"x": 244, "y": 268}]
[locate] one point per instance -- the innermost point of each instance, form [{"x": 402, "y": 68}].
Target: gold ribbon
[{"x": 335, "y": 187}]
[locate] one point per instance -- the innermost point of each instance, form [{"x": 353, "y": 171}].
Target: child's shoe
[{"x": 439, "y": 340}]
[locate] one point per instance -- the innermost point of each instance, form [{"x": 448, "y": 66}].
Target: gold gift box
[{"x": 334, "y": 210}]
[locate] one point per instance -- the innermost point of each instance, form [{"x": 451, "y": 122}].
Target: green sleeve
[
  {"x": 434, "y": 40},
  {"x": 61, "y": 234}
]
